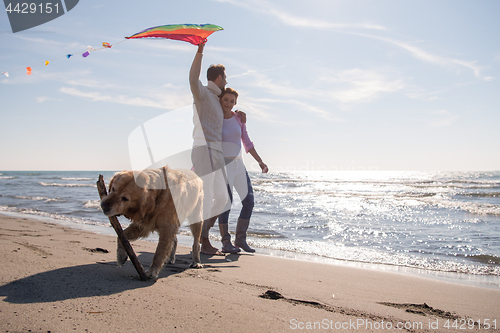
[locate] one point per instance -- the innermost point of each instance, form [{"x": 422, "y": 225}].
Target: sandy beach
[{"x": 58, "y": 279}]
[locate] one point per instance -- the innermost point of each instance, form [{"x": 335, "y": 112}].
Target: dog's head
[{"x": 133, "y": 197}]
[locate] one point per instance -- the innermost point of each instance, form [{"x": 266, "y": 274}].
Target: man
[{"x": 207, "y": 156}]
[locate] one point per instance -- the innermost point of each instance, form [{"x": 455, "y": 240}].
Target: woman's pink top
[{"x": 233, "y": 133}]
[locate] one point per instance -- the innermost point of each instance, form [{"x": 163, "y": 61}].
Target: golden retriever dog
[{"x": 157, "y": 200}]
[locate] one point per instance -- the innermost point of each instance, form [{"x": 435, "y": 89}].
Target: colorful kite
[{"x": 195, "y": 34}]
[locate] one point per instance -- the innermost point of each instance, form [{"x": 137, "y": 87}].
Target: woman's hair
[
  {"x": 214, "y": 71},
  {"x": 229, "y": 91}
]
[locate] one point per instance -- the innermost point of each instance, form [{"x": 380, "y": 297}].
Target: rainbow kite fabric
[{"x": 195, "y": 34}]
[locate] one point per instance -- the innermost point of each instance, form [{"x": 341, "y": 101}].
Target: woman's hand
[{"x": 264, "y": 167}]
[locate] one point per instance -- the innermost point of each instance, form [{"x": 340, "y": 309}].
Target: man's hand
[
  {"x": 201, "y": 46},
  {"x": 242, "y": 115}
]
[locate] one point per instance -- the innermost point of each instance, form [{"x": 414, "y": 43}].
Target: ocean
[{"x": 443, "y": 225}]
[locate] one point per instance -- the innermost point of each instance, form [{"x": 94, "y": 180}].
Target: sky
[{"x": 325, "y": 84}]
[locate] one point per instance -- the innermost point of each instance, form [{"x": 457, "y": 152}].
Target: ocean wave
[
  {"x": 396, "y": 199},
  {"x": 7, "y": 177},
  {"x": 67, "y": 185},
  {"x": 457, "y": 186},
  {"x": 93, "y": 204},
  {"x": 482, "y": 195},
  {"x": 486, "y": 259},
  {"x": 372, "y": 256},
  {"x": 265, "y": 234},
  {"x": 413, "y": 195},
  {"x": 471, "y": 207},
  {"x": 467, "y": 181},
  {"x": 54, "y": 216},
  {"x": 77, "y": 179},
  {"x": 37, "y": 198}
]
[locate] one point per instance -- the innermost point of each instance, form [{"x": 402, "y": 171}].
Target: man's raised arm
[{"x": 194, "y": 73}]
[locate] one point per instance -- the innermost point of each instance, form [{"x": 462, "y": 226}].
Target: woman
[{"x": 233, "y": 134}]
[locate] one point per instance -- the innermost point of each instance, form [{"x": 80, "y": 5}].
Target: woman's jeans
[{"x": 239, "y": 179}]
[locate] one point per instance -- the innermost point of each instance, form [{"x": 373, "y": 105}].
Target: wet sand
[{"x": 58, "y": 279}]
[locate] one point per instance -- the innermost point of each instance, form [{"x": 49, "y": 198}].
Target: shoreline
[
  {"x": 486, "y": 281},
  {"x": 55, "y": 278}
]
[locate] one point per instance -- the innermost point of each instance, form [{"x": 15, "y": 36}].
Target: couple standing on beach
[{"x": 216, "y": 156}]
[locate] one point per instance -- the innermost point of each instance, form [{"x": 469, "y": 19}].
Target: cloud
[
  {"x": 423, "y": 94},
  {"x": 348, "y": 87},
  {"x": 321, "y": 98},
  {"x": 265, "y": 7},
  {"x": 320, "y": 112},
  {"x": 91, "y": 83},
  {"x": 160, "y": 45},
  {"x": 439, "y": 118},
  {"x": 148, "y": 45},
  {"x": 46, "y": 42},
  {"x": 443, "y": 118},
  {"x": 44, "y": 76},
  {"x": 163, "y": 100},
  {"x": 266, "y": 109},
  {"x": 42, "y": 99},
  {"x": 428, "y": 57},
  {"x": 363, "y": 85},
  {"x": 262, "y": 109}
]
